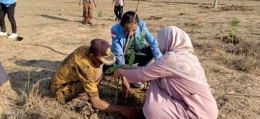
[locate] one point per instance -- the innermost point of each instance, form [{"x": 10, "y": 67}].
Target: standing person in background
[
  {"x": 87, "y": 10},
  {"x": 8, "y": 7},
  {"x": 118, "y": 8}
]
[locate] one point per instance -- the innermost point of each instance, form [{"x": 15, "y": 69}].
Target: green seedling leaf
[
  {"x": 111, "y": 69},
  {"x": 231, "y": 31},
  {"x": 130, "y": 42},
  {"x": 141, "y": 54},
  {"x": 232, "y": 27},
  {"x": 143, "y": 35},
  {"x": 140, "y": 40},
  {"x": 132, "y": 59},
  {"x": 235, "y": 22},
  {"x": 100, "y": 14}
]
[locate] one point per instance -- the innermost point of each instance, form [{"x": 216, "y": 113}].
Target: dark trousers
[
  {"x": 118, "y": 10},
  {"x": 10, "y": 13},
  {"x": 140, "y": 59}
]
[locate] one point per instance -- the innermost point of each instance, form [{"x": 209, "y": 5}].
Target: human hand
[
  {"x": 125, "y": 67},
  {"x": 126, "y": 89},
  {"x": 128, "y": 112},
  {"x": 117, "y": 73},
  {"x": 129, "y": 67}
]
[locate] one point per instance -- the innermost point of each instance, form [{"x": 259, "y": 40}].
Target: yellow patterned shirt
[{"x": 75, "y": 67}]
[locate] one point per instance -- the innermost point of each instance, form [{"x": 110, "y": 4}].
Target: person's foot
[
  {"x": 84, "y": 22},
  {"x": 138, "y": 85},
  {"x": 3, "y": 34},
  {"x": 12, "y": 36},
  {"x": 90, "y": 23}
]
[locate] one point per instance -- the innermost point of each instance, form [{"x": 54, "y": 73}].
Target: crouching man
[{"x": 80, "y": 73}]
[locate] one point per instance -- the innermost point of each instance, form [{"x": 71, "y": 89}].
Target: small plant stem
[
  {"x": 116, "y": 95},
  {"x": 125, "y": 49},
  {"x": 28, "y": 83},
  {"x": 131, "y": 29}
]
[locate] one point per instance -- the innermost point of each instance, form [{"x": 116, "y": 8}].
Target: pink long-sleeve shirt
[{"x": 189, "y": 99}]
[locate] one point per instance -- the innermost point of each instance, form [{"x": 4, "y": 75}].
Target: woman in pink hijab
[{"x": 179, "y": 88}]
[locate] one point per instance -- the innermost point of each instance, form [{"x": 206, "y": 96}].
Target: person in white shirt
[{"x": 118, "y": 8}]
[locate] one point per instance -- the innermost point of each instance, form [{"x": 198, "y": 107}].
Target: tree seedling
[
  {"x": 100, "y": 15},
  {"x": 131, "y": 50},
  {"x": 234, "y": 23}
]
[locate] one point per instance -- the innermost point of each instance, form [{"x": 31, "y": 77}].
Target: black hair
[{"x": 128, "y": 17}]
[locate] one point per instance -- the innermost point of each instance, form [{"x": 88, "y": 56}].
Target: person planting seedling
[
  {"x": 179, "y": 88},
  {"x": 79, "y": 74},
  {"x": 137, "y": 51}
]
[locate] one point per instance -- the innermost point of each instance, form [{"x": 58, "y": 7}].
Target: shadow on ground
[
  {"x": 40, "y": 77},
  {"x": 22, "y": 81},
  {"x": 54, "y": 17}
]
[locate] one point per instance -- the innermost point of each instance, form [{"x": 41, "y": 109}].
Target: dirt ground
[{"x": 51, "y": 30}]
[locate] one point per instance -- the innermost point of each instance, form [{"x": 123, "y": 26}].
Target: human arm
[
  {"x": 117, "y": 48},
  {"x": 128, "y": 67},
  {"x": 153, "y": 43},
  {"x": 152, "y": 71},
  {"x": 87, "y": 76},
  {"x": 105, "y": 106}
]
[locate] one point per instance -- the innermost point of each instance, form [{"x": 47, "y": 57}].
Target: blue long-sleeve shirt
[
  {"x": 119, "y": 41},
  {"x": 7, "y": 2}
]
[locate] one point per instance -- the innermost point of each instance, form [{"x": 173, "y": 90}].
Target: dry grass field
[{"x": 52, "y": 29}]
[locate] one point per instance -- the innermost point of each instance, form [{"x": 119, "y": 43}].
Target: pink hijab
[
  {"x": 3, "y": 75},
  {"x": 178, "y": 57}
]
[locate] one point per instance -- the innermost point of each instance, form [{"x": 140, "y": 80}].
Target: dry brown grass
[{"x": 52, "y": 29}]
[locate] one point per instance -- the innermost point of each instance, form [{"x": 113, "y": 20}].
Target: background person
[
  {"x": 118, "y": 8},
  {"x": 87, "y": 10},
  {"x": 8, "y": 7}
]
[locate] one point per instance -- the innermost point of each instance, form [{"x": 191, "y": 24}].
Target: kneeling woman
[{"x": 179, "y": 88}]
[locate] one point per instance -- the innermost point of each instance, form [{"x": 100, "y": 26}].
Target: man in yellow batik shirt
[{"x": 79, "y": 74}]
